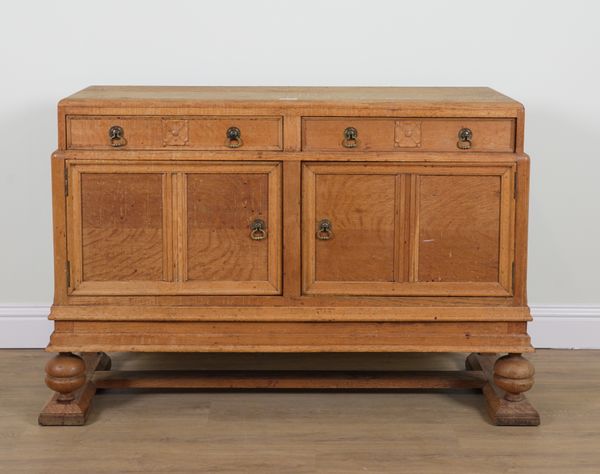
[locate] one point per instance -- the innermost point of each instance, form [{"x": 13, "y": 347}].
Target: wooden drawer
[
  {"x": 156, "y": 133},
  {"x": 406, "y": 134}
]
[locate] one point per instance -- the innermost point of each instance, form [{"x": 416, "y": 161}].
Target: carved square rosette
[
  {"x": 175, "y": 132},
  {"x": 407, "y": 134}
]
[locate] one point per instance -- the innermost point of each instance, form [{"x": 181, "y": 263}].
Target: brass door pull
[
  {"x": 465, "y": 135},
  {"x": 324, "y": 232},
  {"x": 258, "y": 229},
  {"x": 350, "y": 138},
  {"x": 116, "y": 136},
  {"x": 234, "y": 138}
]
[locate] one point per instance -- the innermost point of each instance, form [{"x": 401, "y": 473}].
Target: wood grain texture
[
  {"x": 500, "y": 410},
  {"x": 429, "y": 336},
  {"x": 121, "y": 227},
  {"x": 220, "y": 209},
  {"x": 453, "y": 159},
  {"x": 396, "y": 134},
  {"x": 59, "y": 228},
  {"x": 361, "y": 209},
  {"x": 411, "y": 102},
  {"x": 292, "y": 201},
  {"x": 128, "y": 216},
  {"x": 76, "y": 411},
  {"x": 192, "y": 133},
  {"x": 291, "y": 380},
  {"x": 318, "y": 311},
  {"x": 459, "y": 222},
  {"x": 289, "y": 96},
  {"x": 458, "y": 236},
  {"x": 521, "y": 226}
]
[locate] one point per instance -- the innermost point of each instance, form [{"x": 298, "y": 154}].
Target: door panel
[
  {"x": 122, "y": 226},
  {"x": 365, "y": 206},
  {"x": 118, "y": 229},
  {"x": 408, "y": 229},
  {"x": 361, "y": 209},
  {"x": 220, "y": 256},
  {"x": 220, "y": 209},
  {"x": 459, "y": 228}
]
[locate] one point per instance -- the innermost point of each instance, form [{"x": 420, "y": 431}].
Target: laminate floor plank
[{"x": 303, "y": 432}]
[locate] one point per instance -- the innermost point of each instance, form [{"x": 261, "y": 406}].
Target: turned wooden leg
[
  {"x": 513, "y": 374},
  {"x": 508, "y": 377},
  {"x": 65, "y": 374},
  {"x": 69, "y": 375}
]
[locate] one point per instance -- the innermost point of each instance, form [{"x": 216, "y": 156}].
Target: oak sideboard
[{"x": 290, "y": 219}]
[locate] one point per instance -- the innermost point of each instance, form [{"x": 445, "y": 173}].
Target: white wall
[{"x": 545, "y": 54}]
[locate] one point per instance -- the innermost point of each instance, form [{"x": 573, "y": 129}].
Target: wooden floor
[{"x": 275, "y": 432}]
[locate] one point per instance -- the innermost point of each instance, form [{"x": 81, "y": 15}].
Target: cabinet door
[
  {"x": 173, "y": 228},
  {"x": 400, "y": 229}
]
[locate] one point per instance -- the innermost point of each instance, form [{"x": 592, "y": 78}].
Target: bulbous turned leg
[
  {"x": 513, "y": 374},
  {"x": 65, "y": 374},
  {"x": 508, "y": 378}
]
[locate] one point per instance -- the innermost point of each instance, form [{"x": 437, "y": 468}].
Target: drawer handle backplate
[
  {"x": 116, "y": 136},
  {"x": 465, "y": 135},
  {"x": 350, "y": 138},
  {"x": 234, "y": 138},
  {"x": 258, "y": 229},
  {"x": 324, "y": 232}
]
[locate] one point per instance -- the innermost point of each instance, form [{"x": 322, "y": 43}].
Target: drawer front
[
  {"x": 353, "y": 134},
  {"x": 157, "y": 133},
  {"x": 174, "y": 229},
  {"x": 407, "y": 230}
]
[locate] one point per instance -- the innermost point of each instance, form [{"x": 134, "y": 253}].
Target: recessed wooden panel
[
  {"x": 361, "y": 209},
  {"x": 459, "y": 228},
  {"x": 220, "y": 208},
  {"x": 121, "y": 226}
]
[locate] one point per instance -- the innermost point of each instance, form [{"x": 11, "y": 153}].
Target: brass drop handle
[
  {"x": 350, "y": 138},
  {"x": 258, "y": 229},
  {"x": 234, "y": 138},
  {"x": 116, "y": 136},
  {"x": 465, "y": 135},
  {"x": 324, "y": 231}
]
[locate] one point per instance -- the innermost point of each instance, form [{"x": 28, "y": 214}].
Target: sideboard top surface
[{"x": 174, "y": 96}]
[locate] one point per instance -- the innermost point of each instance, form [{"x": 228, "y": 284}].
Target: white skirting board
[{"x": 556, "y": 327}]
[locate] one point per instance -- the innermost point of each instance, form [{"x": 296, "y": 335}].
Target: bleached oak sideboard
[{"x": 283, "y": 219}]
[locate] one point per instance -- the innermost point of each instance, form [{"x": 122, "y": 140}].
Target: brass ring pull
[
  {"x": 234, "y": 138},
  {"x": 324, "y": 232},
  {"x": 116, "y": 136},
  {"x": 465, "y": 135},
  {"x": 258, "y": 229},
  {"x": 350, "y": 138}
]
